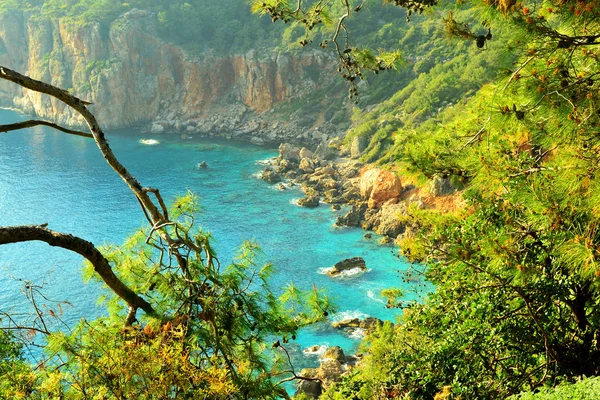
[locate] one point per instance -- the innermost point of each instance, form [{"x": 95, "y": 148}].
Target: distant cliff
[{"x": 136, "y": 79}]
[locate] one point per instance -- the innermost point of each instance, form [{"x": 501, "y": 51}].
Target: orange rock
[{"x": 379, "y": 186}]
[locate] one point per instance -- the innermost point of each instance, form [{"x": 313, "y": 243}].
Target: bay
[{"x": 50, "y": 177}]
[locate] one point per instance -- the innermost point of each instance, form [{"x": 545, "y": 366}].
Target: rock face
[
  {"x": 348, "y": 263},
  {"x": 134, "y": 78},
  {"x": 379, "y": 186}
]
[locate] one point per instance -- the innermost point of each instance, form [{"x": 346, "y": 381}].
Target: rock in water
[
  {"x": 335, "y": 353},
  {"x": 309, "y": 201},
  {"x": 346, "y": 323},
  {"x": 203, "y": 164},
  {"x": 270, "y": 176},
  {"x": 348, "y": 263}
]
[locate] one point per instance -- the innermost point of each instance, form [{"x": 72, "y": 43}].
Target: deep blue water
[{"x": 50, "y": 177}]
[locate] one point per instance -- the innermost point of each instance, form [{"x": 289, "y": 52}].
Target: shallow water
[{"x": 50, "y": 177}]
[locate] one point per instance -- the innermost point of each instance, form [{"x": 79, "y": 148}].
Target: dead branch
[{"x": 32, "y": 122}]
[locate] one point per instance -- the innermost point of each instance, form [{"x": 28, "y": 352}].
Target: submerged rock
[
  {"x": 347, "y": 264},
  {"x": 309, "y": 201}
]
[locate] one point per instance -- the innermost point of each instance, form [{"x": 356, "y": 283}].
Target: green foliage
[
  {"x": 585, "y": 389},
  {"x": 221, "y": 331}
]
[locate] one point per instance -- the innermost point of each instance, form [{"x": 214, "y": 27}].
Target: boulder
[
  {"x": 270, "y": 176},
  {"x": 312, "y": 389},
  {"x": 441, "y": 186},
  {"x": 348, "y": 263},
  {"x": 203, "y": 164},
  {"x": 307, "y": 166},
  {"x": 378, "y": 186},
  {"x": 289, "y": 152},
  {"x": 309, "y": 201},
  {"x": 390, "y": 221},
  {"x": 335, "y": 353},
  {"x": 325, "y": 171},
  {"x": 370, "y": 324},
  {"x": 359, "y": 144},
  {"x": 291, "y": 175},
  {"x": 325, "y": 152},
  {"x": 157, "y": 128},
  {"x": 305, "y": 153},
  {"x": 285, "y": 165},
  {"x": 346, "y": 323},
  {"x": 352, "y": 218},
  {"x": 330, "y": 371},
  {"x": 336, "y": 207},
  {"x": 386, "y": 240}
]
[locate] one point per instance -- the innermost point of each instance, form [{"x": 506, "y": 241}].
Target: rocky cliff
[{"x": 136, "y": 79}]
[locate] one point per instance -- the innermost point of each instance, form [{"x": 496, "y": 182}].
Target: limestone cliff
[{"x": 136, "y": 79}]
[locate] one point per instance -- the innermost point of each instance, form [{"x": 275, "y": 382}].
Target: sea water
[{"x": 51, "y": 177}]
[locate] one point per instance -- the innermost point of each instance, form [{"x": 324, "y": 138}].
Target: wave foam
[
  {"x": 149, "y": 142},
  {"x": 372, "y": 296},
  {"x": 348, "y": 273},
  {"x": 315, "y": 350},
  {"x": 268, "y": 161},
  {"x": 357, "y": 334},
  {"x": 349, "y": 314}
]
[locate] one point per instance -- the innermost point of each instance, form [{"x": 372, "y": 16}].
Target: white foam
[
  {"x": 349, "y": 314},
  {"x": 149, "y": 142},
  {"x": 357, "y": 333},
  {"x": 268, "y": 161},
  {"x": 372, "y": 296},
  {"x": 294, "y": 202},
  {"x": 347, "y": 273},
  {"x": 257, "y": 175},
  {"x": 318, "y": 352}
]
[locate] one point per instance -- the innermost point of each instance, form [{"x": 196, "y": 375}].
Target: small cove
[{"x": 49, "y": 177}]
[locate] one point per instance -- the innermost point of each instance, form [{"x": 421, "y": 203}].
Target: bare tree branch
[
  {"x": 25, "y": 233},
  {"x": 32, "y": 122}
]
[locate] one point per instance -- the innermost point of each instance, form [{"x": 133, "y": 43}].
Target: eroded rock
[{"x": 347, "y": 264}]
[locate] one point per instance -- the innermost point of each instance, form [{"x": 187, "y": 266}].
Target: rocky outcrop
[
  {"x": 309, "y": 201},
  {"x": 136, "y": 79},
  {"x": 270, "y": 176},
  {"x": 348, "y": 264},
  {"x": 335, "y": 353},
  {"x": 379, "y": 186}
]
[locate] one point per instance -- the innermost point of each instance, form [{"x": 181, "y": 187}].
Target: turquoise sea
[{"x": 50, "y": 177}]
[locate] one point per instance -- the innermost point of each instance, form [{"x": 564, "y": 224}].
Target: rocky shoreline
[
  {"x": 241, "y": 123},
  {"x": 331, "y": 174},
  {"x": 378, "y": 201}
]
